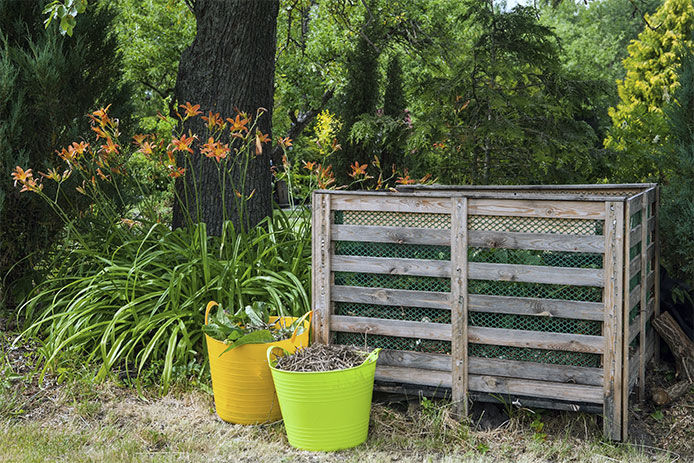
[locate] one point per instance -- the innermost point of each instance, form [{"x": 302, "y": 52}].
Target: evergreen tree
[
  {"x": 48, "y": 83},
  {"x": 640, "y": 129},
  {"x": 677, "y": 203}
]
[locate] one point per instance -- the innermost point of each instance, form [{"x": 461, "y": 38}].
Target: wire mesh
[
  {"x": 635, "y": 219},
  {"x": 375, "y": 280},
  {"x": 392, "y": 250},
  {"x": 538, "y": 290},
  {"x": 536, "y": 225},
  {"x": 418, "y": 314},
  {"x": 392, "y": 342},
  {"x": 535, "y": 323},
  {"x": 536, "y": 257},
  {"x": 394, "y": 219}
]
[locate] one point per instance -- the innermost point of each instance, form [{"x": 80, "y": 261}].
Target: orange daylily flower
[
  {"x": 358, "y": 169},
  {"x": 238, "y": 124},
  {"x": 21, "y": 175},
  {"x": 406, "y": 180},
  {"x": 285, "y": 142},
  {"x": 52, "y": 174},
  {"x": 110, "y": 147},
  {"x": 191, "y": 110},
  {"x": 183, "y": 143},
  {"x": 139, "y": 138},
  {"x": 99, "y": 132},
  {"x": 172, "y": 159},
  {"x": 215, "y": 149},
  {"x": 260, "y": 138},
  {"x": 309, "y": 165},
  {"x": 146, "y": 149},
  {"x": 213, "y": 120},
  {"x": 101, "y": 174},
  {"x": 177, "y": 172},
  {"x": 101, "y": 112},
  {"x": 78, "y": 148}
]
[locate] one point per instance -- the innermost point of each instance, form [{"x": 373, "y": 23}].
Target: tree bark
[
  {"x": 681, "y": 346},
  {"x": 231, "y": 64}
]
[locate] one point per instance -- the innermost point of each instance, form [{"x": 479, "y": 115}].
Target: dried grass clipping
[{"x": 320, "y": 357}]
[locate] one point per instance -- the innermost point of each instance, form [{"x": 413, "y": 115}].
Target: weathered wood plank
[
  {"x": 536, "y": 241},
  {"x": 634, "y": 203},
  {"x": 393, "y": 297},
  {"x": 396, "y": 235},
  {"x": 536, "y": 274},
  {"x": 321, "y": 274},
  {"x": 414, "y": 376},
  {"x": 612, "y": 332},
  {"x": 546, "y": 389},
  {"x": 392, "y": 266},
  {"x": 536, "y": 306},
  {"x": 399, "y": 328},
  {"x": 589, "y": 187},
  {"x": 626, "y": 310},
  {"x": 391, "y": 203},
  {"x": 529, "y": 208},
  {"x": 636, "y": 263},
  {"x": 536, "y": 339},
  {"x": 495, "y": 367},
  {"x": 459, "y": 304}
]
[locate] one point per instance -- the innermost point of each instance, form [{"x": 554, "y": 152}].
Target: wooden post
[
  {"x": 656, "y": 269},
  {"x": 644, "y": 298},
  {"x": 612, "y": 323},
  {"x": 321, "y": 275},
  {"x": 459, "y": 305}
]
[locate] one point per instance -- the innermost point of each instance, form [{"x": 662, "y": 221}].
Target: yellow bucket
[{"x": 241, "y": 380}]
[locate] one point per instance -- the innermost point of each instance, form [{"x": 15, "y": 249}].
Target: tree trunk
[{"x": 230, "y": 64}]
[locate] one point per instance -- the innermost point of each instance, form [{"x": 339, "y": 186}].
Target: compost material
[{"x": 320, "y": 357}]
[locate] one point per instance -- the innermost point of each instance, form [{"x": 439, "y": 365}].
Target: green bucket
[{"x": 326, "y": 410}]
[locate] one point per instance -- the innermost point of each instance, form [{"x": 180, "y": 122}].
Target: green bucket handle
[{"x": 372, "y": 357}]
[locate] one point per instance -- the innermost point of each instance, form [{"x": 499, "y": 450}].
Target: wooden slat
[
  {"x": 634, "y": 203},
  {"x": 635, "y": 325},
  {"x": 588, "y": 187},
  {"x": 536, "y": 339},
  {"x": 536, "y": 371},
  {"x": 392, "y": 266},
  {"x": 634, "y": 296},
  {"x": 525, "y": 387},
  {"x": 410, "y": 359},
  {"x": 396, "y": 235},
  {"x": 536, "y": 274},
  {"x": 536, "y": 241},
  {"x": 528, "y": 208},
  {"x": 418, "y": 376},
  {"x": 459, "y": 304},
  {"x": 612, "y": 332},
  {"x": 536, "y": 306},
  {"x": 494, "y": 367},
  {"x": 391, "y": 203},
  {"x": 635, "y": 233},
  {"x": 626, "y": 310},
  {"x": 321, "y": 275},
  {"x": 399, "y": 328},
  {"x": 396, "y": 297}
]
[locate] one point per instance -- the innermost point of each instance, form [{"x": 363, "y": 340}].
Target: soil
[{"x": 322, "y": 358}]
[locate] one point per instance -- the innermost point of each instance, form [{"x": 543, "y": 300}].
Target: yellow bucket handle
[
  {"x": 269, "y": 353},
  {"x": 209, "y": 307}
]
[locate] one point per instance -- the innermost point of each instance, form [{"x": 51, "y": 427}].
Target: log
[
  {"x": 681, "y": 346},
  {"x": 663, "y": 396}
]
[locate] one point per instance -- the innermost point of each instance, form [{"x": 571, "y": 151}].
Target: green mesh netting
[
  {"x": 375, "y": 280},
  {"x": 539, "y": 290},
  {"x": 634, "y": 251},
  {"x": 534, "y": 323},
  {"x": 556, "y": 357},
  {"x": 635, "y": 220},
  {"x": 634, "y": 312},
  {"x": 391, "y": 250},
  {"x": 392, "y": 342},
  {"x": 533, "y": 257},
  {"x": 419, "y": 314},
  {"x": 634, "y": 281}
]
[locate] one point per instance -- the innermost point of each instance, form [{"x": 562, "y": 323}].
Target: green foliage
[
  {"x": 64, "y": 13},
  {"x": 640, "y": 128},
  {"x": 250, "y": 325},
  {"x": 152, "y": 34},
  {"x": 677, "y": 208},
  {"x": 47, "y": 83},
  {"x": 139, "y": 304},
  {"x": 505, "y": 104}
]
